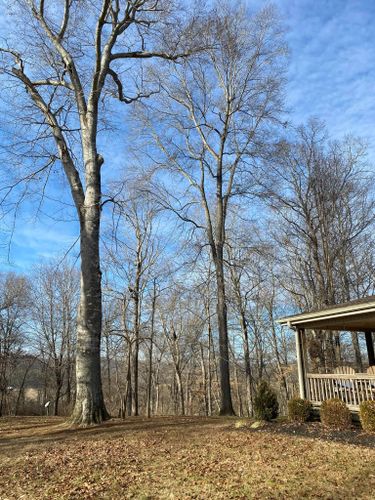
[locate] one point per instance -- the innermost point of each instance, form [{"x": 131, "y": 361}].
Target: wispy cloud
[
  {"x": 332, "y": 70},
  {"x": 332, "y": 64},
  {"x": 36, "y": 242}
]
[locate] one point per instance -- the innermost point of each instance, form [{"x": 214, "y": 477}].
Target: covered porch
[{"x": 343, "y": 381}]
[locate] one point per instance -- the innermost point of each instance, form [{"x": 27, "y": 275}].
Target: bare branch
[
  {"x": 148, "y": 55},
  {"x": 65, "y": 157},
  {"x": 120, "y": 90},
  {"x": 65, "y": 20},
  {"x": 53, "y": 83}
]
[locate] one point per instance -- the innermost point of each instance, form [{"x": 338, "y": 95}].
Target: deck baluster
[{"x": 350, "y": 388}]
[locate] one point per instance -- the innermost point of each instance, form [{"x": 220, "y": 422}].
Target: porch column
[
  {"x": 370, "y": 348},
  {"x": 299, "y": 332}
]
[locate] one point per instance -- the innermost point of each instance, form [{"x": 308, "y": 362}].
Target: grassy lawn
[{"x": 176, "y": 458}]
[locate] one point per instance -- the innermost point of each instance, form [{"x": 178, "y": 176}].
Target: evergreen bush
[
  {"x": 266, "y": 406},
  {"x": 299, "y": 410}
]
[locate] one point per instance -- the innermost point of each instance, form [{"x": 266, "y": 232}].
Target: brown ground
[{"x": 179, "y": 458}]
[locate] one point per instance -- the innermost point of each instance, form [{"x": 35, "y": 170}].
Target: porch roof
[{"x": 356, "y": 315}]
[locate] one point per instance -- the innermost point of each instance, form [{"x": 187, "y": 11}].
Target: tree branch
[
  {"x": 53, "y": 83},
  {"x": 120, "y": 90},
  {"x": 65, "y": 20},
  {"x": 138, "y": 54},
  {"x": 64, "y": 154},
  {"x": 64, "y": 54}
]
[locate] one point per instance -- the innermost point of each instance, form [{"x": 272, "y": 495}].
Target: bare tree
[
  {"x": 151, "y": 348},
  {"x": 13, "y": 310},
  {"x": 217, "y": 111},
  {"x": 55, "y": 301},
  {"x": 72, "y": 55},
  {"x": 182, "y": 327},
  {"x": 327, "y": 214},
  {"x": 133, "y": 257},
  {"x": 243, "y": 284}
]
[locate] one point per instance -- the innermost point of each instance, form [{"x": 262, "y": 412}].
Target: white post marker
[{"x": 46, "y": 406}]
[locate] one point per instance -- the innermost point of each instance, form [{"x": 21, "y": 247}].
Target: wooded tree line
[{"x": 215, "y": 217}]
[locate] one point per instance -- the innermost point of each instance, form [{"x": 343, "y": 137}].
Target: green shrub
[
  {"x": 335, "y": 414},
  {"x": 266, "y": 406},
  {"x": 299, "y": 410},
  {"x": 367, "y": 415}
]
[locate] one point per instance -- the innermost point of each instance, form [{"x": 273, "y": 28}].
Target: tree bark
[
  {"x": 89, "y": 405},
  {"x": 226, "y": 405}
]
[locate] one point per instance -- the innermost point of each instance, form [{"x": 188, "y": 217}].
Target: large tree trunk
[
  {"x": 217, "y": 248},
  {"x": 89, "y": 404},
  {"x": 226, "y": 406}
]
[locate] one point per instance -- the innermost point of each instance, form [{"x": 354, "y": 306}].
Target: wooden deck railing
[{"x": 350, "y": 388}]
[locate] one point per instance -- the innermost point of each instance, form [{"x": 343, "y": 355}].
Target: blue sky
[
  {"x": 331, "y": 75},
  {"x": 332, "y": 68}
]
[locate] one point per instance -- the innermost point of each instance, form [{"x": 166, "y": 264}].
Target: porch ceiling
[{"x": 357, "y": 315}]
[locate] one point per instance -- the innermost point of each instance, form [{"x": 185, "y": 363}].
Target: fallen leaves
[{"x": 178, "y": 458}]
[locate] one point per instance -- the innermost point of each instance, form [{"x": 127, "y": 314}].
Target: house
[{"x": 342, "y": 382}]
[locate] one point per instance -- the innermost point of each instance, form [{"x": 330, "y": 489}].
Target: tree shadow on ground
[
  {"x": 40, "y": 434},
  {"x": 315, "y": 430}
]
